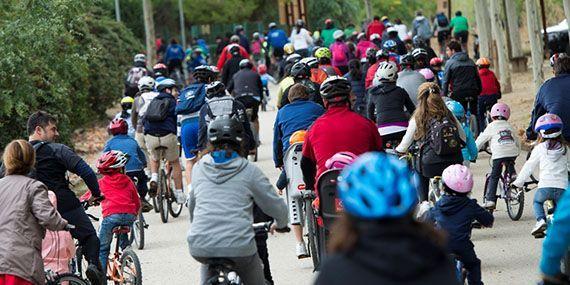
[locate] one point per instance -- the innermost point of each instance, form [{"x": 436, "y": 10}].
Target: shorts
[
  {"x": 462, "y": 36},
  {"x": 249, "y": 102},
  {"x": 169, "y": 141},
  {"x": 189, "y": 137}
]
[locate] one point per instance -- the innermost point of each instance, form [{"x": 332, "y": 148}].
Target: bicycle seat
[
  {"x": 220, "y": 261},
  {"x": 121, "y": 230}
]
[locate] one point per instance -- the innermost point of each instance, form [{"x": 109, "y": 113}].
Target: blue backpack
[{"x": 191, "y": 99}]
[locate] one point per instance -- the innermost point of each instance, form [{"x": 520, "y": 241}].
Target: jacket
[
  {"x": 388, "y": 103},
  {"x": 277, "y": 38},
  {"x": 376, "y": 27},
  {"x": 421, "y": 28},
  {"x": 128, "y": 145},
  {"x": 58, "y": 247},
  {"x": 459, "y": 24},
  {"x": 470, "y": 150},
  {"x": 297, "y": 115},
  {"x": 225, "y": 55},
  {"x": 301, "y": 39},
  {"x": 489, "y": 83},
  {"x": 327, "y": 36},
  {"x": 410, "y": 80},
  {"x": 246, "y": 82},
  {"x": 174, "y": 52},
  {"x": 455, "y": 214},
  {"x": 25, "y": 214},
  {"x": 121, "y": 196},
  {"x": 394, "y": 254},
  {"x": 357, "y": 88},
  {"x": 339, "y": 47},
  {"x": 553, "y": 165},
  {"x": 323, "y": 72},
  {"x": 312, "y": 90},
  {"x": 461, "y": 75},
  {"x": 362, "y": 47},
  {"x": 556, "y": 243},
  {"x": 502, "y": 138},
  {"x": 223, "y": 192},
  {"x": 552, "y": 97},
  {"x": 231, "y": 67},
  {"x": 168, "y": 126}
]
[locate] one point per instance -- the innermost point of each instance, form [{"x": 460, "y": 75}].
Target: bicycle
[
  {"x": 78, "y": 264},
  {"x": 53, "y": 278},
  {"x": 514, "y": 197},
  {"x": 255, "y": 131},
  {"x": 165, "y": 199},
  {"x": 123, "y": 267},
  {"x": 137, "y": 231}
]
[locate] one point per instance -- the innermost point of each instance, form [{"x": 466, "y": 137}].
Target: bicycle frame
[{"x": 113, "y": 265}]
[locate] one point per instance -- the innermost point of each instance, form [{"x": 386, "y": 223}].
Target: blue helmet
[
  {"x": 456, "y": 108},
  {"x": 390, "y": 44},
  {"x": 378, "y": 186}
]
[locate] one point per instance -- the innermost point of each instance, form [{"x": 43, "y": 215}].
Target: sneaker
[
  {"x": 94, "y": 275},
  {"x": 301, "y": 250},
  {"x": 180, "y": 196},
  {"x": 490, "y": 205},
  {"x": 146, "y": 206},
  {"x": 152, "y": 189},
  {"x": 539, "y": 228}
]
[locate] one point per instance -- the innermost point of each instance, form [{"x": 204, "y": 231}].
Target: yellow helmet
[
  {"x": 323, "y": 52},
  {"x": 127, "y": 100},
  {"x": 297, "y": 137},
  {"x": 288, "y": 48}
]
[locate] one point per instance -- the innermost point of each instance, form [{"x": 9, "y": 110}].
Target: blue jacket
[
  {"x": 552, "y": 97},
  {"x": 297, "y": 115},
  {"x": 168, "y": 126},
  {"x": 174, "y": 52},
  {"x": 128, "y": 145},
  {"x": 277, "y": 38},
  {"x": 358, "y": 89},
  {"x": 470, "y": 151},
  {"x": 454, "y": 214},
  {"x": 557, "y": 241}
]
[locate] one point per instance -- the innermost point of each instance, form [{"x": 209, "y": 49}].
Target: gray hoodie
[{"x": 221, "y": 203}]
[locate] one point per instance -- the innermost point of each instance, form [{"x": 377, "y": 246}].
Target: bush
[{"x": 61, "y": 56}]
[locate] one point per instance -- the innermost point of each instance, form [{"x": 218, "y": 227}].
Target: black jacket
[
  {"x": 461, "y": 76},
  {"x": 246, "y": 82},
  {"x": 394, "y": 254},
  {"x": 388, "y": 103},
  {"x": 313, "y": 90},
  {"x": 230, "y": 68}
]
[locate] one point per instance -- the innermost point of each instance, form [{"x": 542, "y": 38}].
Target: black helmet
[
  {"x": 407, "y": 60},
  {"x": 215, "y": 89},
  {"x": 371, "y": 53},
  {"x": 300, "y": 71},
  {"x": 234, "y": 50},
  {"x": 203, "y": 73},
  {"x": 245, "y": 64},
  {"x": 293, "y": 58},
  {"x": 419, "y": 53},
  {"x": 224, "y": 129},
  {"x": 335, "y": 89}
]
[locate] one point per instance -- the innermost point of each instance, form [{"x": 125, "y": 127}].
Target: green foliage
[
  {"x": 342, "y": 12},
  {"x": 61, "y": 56},
  {"x": 403, "y": 9}
]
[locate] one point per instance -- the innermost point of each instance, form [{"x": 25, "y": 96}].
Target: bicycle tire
[
  {"x": 163, "y": 197},
  {"x": 322, "y": 245},
  {"x": 514, "y": 194},
  {"x": 129, "y": 259},
  {"x": 174, "y": 208},
  {"x": 137, "y": 232},
  {"x": 67, "y": 278},
  {"x": 487, "y": 180},
  {"x": 155, "y": 204},
  {"x": 311, "y": 233}
]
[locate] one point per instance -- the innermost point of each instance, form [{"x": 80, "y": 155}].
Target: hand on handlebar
[{"x": 274, "y": 229}]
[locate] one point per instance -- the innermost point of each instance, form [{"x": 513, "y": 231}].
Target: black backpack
[
  {"x": 157, "y": 110},
  {"x": 443, "y": 137},
  {"x": 442, "y": 21}
]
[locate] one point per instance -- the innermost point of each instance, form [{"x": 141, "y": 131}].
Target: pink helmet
[
  {"x": 427, "y": 73},
  {"x": 501, "y": 110},
  {"x": 340, "y": 160},
  {"x": 458, "y": 178}
]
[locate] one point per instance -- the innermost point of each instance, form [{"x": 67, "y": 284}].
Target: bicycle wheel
[
  {"x": 131, "y": 268},
  {"x": 163, "y": 197},
  {"x": 487, "y": 180},
  {"x": 68, "y": 279},
  {"x": 137, "y": 232},
  {"x": 155, "y": 204},
  {"x": 514, "y": 198},
  {"x": 311, "y": 223},
  {"x": 173, "y": 207}
]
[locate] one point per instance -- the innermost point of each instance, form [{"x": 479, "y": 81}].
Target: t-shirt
[{"x": 459, "y": 24}]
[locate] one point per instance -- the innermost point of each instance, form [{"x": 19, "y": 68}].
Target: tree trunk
[
  {"x": 483, "y": 28},
  {"x": 182, "y": 25},
  {"x": 513, "y": 23},
  {"x": 368, "y": 8},
  {"x": 117, "y": 11},
  {"x": 567, "y": 13},
  {"x": 500, "y": 38},
  {"x": 535, "y": 42},
  {"x": 149, "y": 33}
]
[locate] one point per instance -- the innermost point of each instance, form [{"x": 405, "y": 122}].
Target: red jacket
[
  {"x": 376, "y": 27},
  {"x": 340, "y": 129},
  {"x": 225, "y": 55},
  {"x": 121, "y": 196},
  {"x": 489, "y": 82}
]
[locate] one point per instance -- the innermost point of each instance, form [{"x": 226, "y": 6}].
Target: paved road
[{"x": 508, "y": 252}]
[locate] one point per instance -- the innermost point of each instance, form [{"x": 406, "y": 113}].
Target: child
[
  {"x": 454, "y": 212},
  {"x": 491, "y": 90},
  {"x": 470, "y": 151},
  {"x": 137, "y": 161},
  {"x": 121, "y": 204},
  {"x": 265, "y": 79},
  {"x": 505, "y": 147},
  {"x": 127, "y": 106},
  {"x": 436, "y": 66},
  {"x": 551, "y": 155},
  {"x": 57, "y": 246}
]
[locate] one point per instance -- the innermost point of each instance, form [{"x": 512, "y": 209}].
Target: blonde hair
[
  {"x": 19, "y": 157},
  {"x": 430, "y": 106}
]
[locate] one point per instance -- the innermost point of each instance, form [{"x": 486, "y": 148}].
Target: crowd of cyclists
[{"x": 355, "y": 101}]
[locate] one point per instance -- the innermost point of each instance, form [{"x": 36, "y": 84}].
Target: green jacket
[
  {"x": 459, "y": 24},
  {"x": 327, "y": 36}
]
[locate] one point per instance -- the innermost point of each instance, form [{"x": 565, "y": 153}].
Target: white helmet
[
  {"x": 146, "y": 83},
  {"x": 311, "y": 62},
  {"x": 139, "y": 58},
  {"x": 387, "y": 72},
  {"x": 338, "y": 34}
]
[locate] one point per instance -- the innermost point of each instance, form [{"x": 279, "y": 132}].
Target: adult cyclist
[
  {"x": 136, "y": 72},
  {"x": 225, "y": 55},
  {"x": 277, "y": 39},
  {"x": 325, "y": 68},
  {"x": 301, "y": 74}
]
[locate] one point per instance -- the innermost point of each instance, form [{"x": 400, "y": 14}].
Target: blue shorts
[{"x": 189, "y": 137}]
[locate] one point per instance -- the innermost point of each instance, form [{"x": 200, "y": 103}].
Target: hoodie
[
  {"x": 388, "y": 103},
  {"x": 553, "y": 165},
  {"x": 461, "y": 75},
  {"x": 121, "y": 196},
  {"x": 221, "y": 205},
  {"x": 410, "y": 80},
  {"x": 421, "y": 28},
  {"x": 389, "y": 255}
]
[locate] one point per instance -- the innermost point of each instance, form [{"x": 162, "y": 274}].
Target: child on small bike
[
  {"x": 57, "y": 246},
  {"x": 505, "y": 147},
  {"x": 470, "y": 150},
  {"x": 490, "y": 92},
  {"x": 121, "y": 204},
  {"x": 552, "y": 156}
]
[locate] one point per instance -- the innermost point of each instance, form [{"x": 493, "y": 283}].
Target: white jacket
[
  {"x": 502, "y": 139},
  {"x": 301, "y": 40},
  {"x": 553, "y": 167}
]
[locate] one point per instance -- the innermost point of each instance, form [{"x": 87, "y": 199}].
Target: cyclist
[
  {"x": 160, "y": 131},
  {"x": 287, "y": 79},
  {"x": 441, "y": 30},
  {"x": 159, "y": 71},
  {"x": 410, "y": 79},
  {"x": 194, "y": 59},
  {"x": 421, "y": 58},
  {"x": 460, "y": 28},
  {"x": 376, "y": 27},
  {"x": 257, "y": 50},
  {"x": 325, "y": 68},
  {"x": 225, "y": 55},
  {"x": 428, "y": 74},
  {"x": 552, "y": 156},
  {"x": 363, "y": 45},
  {"x": 301, "y": 73},
  {"x": 382, "y": 55},
  {"x": 436, "y": 64},
  {"x": 552, "y": 97},
  {"x": 265, "y": 79},
  {"x": 426, "y": 128},
  {"x": 421, "y": 28},
  {"x": 505, "y": 147},
  {"x": 174, "y": 56},
  {"x": 224, "y": 180},
  {"x": 277, "y": 39},
  {"x": 340, "y": 52},
  {"x": 392, "y": 47},
  {"x": 356, "y": 78},
  {"x": 243, "y": 40},
  {"x": 232, "y": 66},
  {"x": 418, "y": 43},
  {"x": 392, "y": 35},
  {"x": 127, "y": 106},
  {"x": 301, "y": 38},
  {"x": 143, "y": 98},
  {"x": 327, "y": 32},
  {"x": 490, "y": 90},
  {"x": 358, "y": 137},
  {"x": 370, "y": 60},
  {"x": 377, "y": 230},
  {"x": 470, "y": 150},
  {"x": 135, "y": 74}
]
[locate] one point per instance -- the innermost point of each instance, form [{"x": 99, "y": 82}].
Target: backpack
[
  {"x": 221, "y": 106},
  {"x": 157, "y": 109},
  {"x": 338, "y": 54},
  {"x": 443, "y": 137},
  {"x": 143, "y": 101},
  {"x": 442, "y": 20},
  {"x": 422, "y": 28},
  {"x": 191, "y": 99},
  {"x": 135, "y": 74}
]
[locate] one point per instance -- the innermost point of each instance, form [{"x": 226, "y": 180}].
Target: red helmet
[
  {"x": 118, "y": 126},
  {"x": 262, "y": 69},
  {"x": 436, "y": 61},
  {"x": 111, "y": 162},
  {"x": 159, "y": 66}
]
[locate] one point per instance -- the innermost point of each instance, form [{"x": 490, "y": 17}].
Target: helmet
[
  {"x": 378, "y": 186},
  {"x": 501, "y": 110},
  {"x": 382, "y": 54},
  {"x": 374, "y": 37},
  {"x": 387, "y": 72},
  {"x": 458, "y": 178},
  {"x": 234, "y": 49},
  {"x": 118, "y": 126},
  {"x": 392, "y": 30},
  {"x": 549, "y": 126},
  {"x": 159, "y": 66},
  {"x": 300, "y": 70},
  {"x": 371, "y": 53},
  {"x": 328, "y": 21},
  {"x": 427, "y": 73},
  {"x": 407, "y": 60},
  {"x": 340, "y": 160},
  {"x": 262, "y": 69},
  {"x": 256, "y": 35},
  {"x": 146, "y": 83},
  {"x": 323, "y": 52},
  {"x": 127, "y": 102},
  {"x": 140, "y": 58},
  {"x": 288, "y": 48},
  {"x": 203, "y": 73},
  {"x": 165, "y": 84},
  {"x": 299, "y": 22},
  {"x": 419, "y": 53},
  {"x": 390, "y": 45},
  {"x": 361, "y": 36},
  {"x": 197, "y": 50},
  {"x": 436, "y": 61},
  {"x": 245, "y": 63},
  {"x": 225, "y": 129},
  {"x": 293, "y": 58},
  {"x": 456, "y": 108},
  {"x": 297, "y": 137},
  {"x": 234, "y": 39},
  {"x": 215, "y": 89},
  {"x": 272, "y": 25},
  {"x": 238, "y": 28},
  {"x": 483, "y": 61},
  {"x": 111, "y": 162},
  {"x": 311, "y": 62},
  {"x": 338, "y": 34},
  {"x": 335, "y": 88}
]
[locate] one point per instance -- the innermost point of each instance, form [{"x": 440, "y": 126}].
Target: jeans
[
  {"x": 483, "y": 104},
  {"x": 541, "y": 196},
  {"x": 248, "y": 268},
  {"x": 142, "y": 180},
  {"x": 84, "y": 233},
  {"x": 106, "y": 234},
  {"x": 261, "y": 242},
  {"x": 471, "y": 263},
  {"x": 496, "y": 172}
]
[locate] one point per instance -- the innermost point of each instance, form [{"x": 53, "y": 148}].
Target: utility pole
[
  {"x": 567, "y": 13},
  {"x": 368, "y": 10},
  {"x": 182, "y": 25},
  {"x": 117, "y": 11},
  {"x": 483, "y": 27},
  {"x": 500, "y": 38},
  {"x": 149, "y": 32},
  {"x": 536, "y": 47}
]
